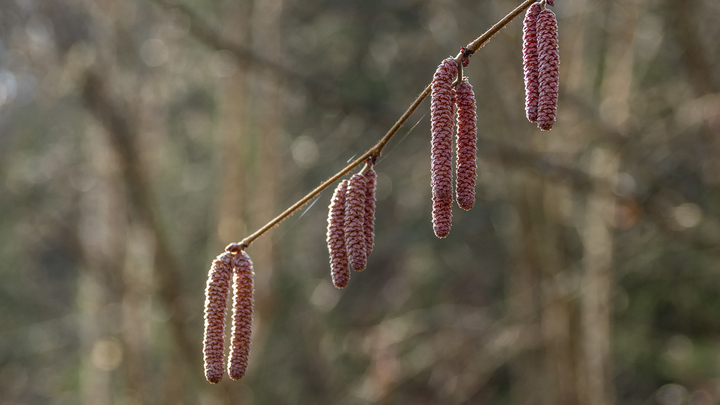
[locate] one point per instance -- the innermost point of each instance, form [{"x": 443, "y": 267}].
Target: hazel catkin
[
  {"x": 466, "y": 166},
  {"x": 216, "y": 293},
  {"x": 355, "y": 222},
  {"x": 339, "y": 265},
  {"x": 442, "y": 110},
  {"x": 548, "y": 65},
  {"x": 242, "y": 315},
  {"x": 530, "y": 61},
  {"x": 371, "y": 184}
]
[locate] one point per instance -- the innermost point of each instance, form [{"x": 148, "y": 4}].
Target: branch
[{"x": 376, "y": 150}]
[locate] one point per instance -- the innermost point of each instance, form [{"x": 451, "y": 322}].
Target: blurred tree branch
[
  {"x": 318, "y": 88},
  {"x": 123, "y": 138},
  {"x": 684, "y": 27}
]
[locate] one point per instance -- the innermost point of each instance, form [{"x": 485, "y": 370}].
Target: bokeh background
[{"x": 139, "y": 137}]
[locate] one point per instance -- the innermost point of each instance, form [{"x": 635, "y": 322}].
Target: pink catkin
[
  {"x": 442, "y": 109},
  {"x": 548, "y": 64},
  {"x": 216, "y": 293},
  {"x": 530, "y": 61},
  {"x": 242, "y": 315},
  {"x": 466, "y": 166},
  {"x": 339, "y": 265},
  {"x": 355, "y": 222},
  {"x": 371, "y": 179}
]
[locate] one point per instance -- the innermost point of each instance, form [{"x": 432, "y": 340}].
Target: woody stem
[{"x": 376, "y": 149}]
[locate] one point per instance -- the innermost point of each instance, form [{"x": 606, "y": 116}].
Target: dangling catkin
[
  {"x": 339, "y": 266},
  {"x": 548, "y": 64},
  {"x": 371, "y": 179},
  {"x": 216, "y": 294},
  {"x": 442, "y": 109},
  {"x": 355, "y": 222},
  {"x": 466, "y": 166},
  {"x": 242, "y": 315},
  {"x": 530, "y": 61}
]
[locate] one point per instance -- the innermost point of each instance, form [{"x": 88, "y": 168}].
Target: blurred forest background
[{"x": 139, "y": 137}]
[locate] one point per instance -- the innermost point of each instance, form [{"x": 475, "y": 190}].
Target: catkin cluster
[
  {"x": 351, "y": 225},
  {"x": 541, "y": 61},
  {"x": 234, "y": 264},
  {"x": 444, "y": 101},
  {"x": 351, "y": 217}
]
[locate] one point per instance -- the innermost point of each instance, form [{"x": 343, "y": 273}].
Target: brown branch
[
  {"x": 376, "y": 150},
  {"x": 484, "y": 38},
  {"x": 683, "y": 24}
]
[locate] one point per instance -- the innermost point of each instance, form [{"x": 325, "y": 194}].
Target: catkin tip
[
  {"x": 442, "y": 218},
  {"x": 213, "y": 378},
  {"x": 341, "y": 281}
]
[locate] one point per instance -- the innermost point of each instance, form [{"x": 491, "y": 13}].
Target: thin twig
[
  {"x": 475, "y": 45},
  {"x": 376, "y": 150}
]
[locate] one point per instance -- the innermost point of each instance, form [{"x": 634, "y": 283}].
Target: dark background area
[{"x": 138, "y": 138}]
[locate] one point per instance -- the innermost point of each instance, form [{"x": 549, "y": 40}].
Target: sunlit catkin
[
  {"x": 530, "y": 61},
  {"x": 242, "y": 315},
  {"x": 548, "y": 64},
  {"x": 442, "y": 109},
  {"x": 355, "y": 222},
  {"x": 371, "y": 178},
  {"x": 466, "y": 166},
  {"x": 216, "y": 293},
  {"x": 339, "y": 265}
]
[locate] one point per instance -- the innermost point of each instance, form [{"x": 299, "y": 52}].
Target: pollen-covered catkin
[
  {"x": 242, "y": 314},
  {"x": 530, "y": 61},
  {"x": 442, "y": 109},
  {"x": 466, "y": 166},
  {"x": 371, "y": 179},
  {"x": 339, "y": 265},
  {"x": 216, "y": 293},
  {"x": 355, "y": 222},
  {"x": 548, "y": 65}
]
